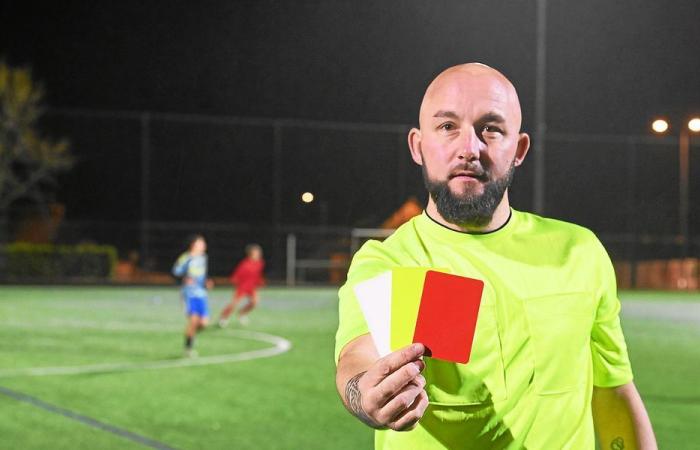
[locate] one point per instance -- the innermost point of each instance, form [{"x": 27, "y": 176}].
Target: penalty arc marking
[{"x": 279, "y": 346}]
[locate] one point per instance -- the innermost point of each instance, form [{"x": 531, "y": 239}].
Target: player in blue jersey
[{"x": 191, "y": 266}]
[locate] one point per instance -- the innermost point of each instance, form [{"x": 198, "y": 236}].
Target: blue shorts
[{"x": 197, "y": 306}]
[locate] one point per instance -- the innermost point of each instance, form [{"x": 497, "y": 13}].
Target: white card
[{"x": 374, "y": 296}]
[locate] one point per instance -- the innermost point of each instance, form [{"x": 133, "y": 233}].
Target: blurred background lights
[
  {"x": 659, "y": 125},
  {"x": 307, "y": 197},
  {"x": 694, "y": 124}
]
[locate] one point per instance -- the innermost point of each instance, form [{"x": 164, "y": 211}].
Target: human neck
[{"x": 499, "y": 218}]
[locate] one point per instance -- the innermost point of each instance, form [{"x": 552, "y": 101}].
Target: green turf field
[{"x": 110, "y": 359}]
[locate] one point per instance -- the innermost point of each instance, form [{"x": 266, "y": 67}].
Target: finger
[
  {"x": 409, "y": 419},
  {"x": 402, "y": 401},
  {"x": 394, "y": 383},
  {"x": 392, "y": 362}
]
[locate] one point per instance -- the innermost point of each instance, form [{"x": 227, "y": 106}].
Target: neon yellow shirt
[{"x": 548, "y": 331}]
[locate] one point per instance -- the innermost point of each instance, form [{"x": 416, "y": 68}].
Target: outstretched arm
[
  {"x": 620, "y": 419},
  {"x": 180, "y": 266}
]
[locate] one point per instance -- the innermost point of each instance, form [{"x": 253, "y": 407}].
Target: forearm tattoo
[
  {"x": 353, "y": 396},
  {"x": 617, "y": 444}
]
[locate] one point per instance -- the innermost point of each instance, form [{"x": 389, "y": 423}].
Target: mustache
[{"x": 473, "y": 169}]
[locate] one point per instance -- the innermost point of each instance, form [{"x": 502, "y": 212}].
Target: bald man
[{"x": 549, "y": 366}]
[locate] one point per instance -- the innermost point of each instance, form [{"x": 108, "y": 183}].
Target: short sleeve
[
  {"x": 611, "y": 365},
  {"x": 371, "y": 260},
  {"x": 181, "y": 265}
]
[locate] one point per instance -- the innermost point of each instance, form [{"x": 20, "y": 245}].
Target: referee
[{"x": 549, "y": 367}]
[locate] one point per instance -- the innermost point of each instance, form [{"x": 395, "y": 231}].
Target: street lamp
[
  {"x": 307, "y": 197},
  {"x": 660, "y": 126},
  {"x": 694, "y": 124}
]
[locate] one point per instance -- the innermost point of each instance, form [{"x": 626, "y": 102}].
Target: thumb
[{"x": 394, "y": 361}]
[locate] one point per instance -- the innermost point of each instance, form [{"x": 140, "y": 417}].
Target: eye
[
  {"x": 447, "y": 126},
  {"x": 491, "y": 129}
]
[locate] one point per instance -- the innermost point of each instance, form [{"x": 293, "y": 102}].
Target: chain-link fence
[{"x": 144, "y": 181}]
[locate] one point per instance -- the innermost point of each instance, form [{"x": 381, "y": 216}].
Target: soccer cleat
[
  {"x": 243, "y": 320},
  {"x": 190, "y": 353},
  {"x": 223, "y": 323}
]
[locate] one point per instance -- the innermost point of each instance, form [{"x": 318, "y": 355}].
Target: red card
[{"x": 447, "y": 315}]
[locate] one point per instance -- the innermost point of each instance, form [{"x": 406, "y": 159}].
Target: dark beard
[{"x": 468, "y": 210}]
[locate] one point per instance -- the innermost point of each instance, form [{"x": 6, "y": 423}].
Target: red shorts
[{"x": 242, "y": 291}]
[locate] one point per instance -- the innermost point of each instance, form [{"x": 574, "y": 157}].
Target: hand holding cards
[{"x": 420, "y": 305}]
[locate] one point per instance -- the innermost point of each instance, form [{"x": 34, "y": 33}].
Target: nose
[{"x": 470, "y": 146}]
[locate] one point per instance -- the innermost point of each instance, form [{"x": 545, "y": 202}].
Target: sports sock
[
  {"x": 188, "y": 341},
  {"x": 226, "y": 312}
]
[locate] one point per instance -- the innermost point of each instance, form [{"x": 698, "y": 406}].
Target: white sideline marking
[
  {"x": 106, "y": 325},
  {"x": 280, "y": 345},
  {"x": 673, "y": 311}
]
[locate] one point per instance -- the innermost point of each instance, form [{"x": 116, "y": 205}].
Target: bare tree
[{"x": 27, "y": 159}]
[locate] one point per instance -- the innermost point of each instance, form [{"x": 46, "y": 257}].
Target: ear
[
  {"x": 414, "y": 138},
  {"x": 523, "y": 147}
]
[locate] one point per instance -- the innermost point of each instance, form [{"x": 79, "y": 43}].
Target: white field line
[
  {"x": 95, "y": 325},
  {"x": 680, "y": 312},
  {"x": 279, "y": 346}
]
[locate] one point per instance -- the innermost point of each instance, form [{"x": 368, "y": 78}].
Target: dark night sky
[{"x": 611, "y": 67}]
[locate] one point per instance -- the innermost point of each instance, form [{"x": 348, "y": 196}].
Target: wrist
[{"x": 353, "y": 402}]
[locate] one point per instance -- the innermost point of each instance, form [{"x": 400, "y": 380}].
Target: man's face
[
  {"x": 255, "y": 254},
  {"x": 199, "y": 247},
  {"x": 468, "y": 143}
]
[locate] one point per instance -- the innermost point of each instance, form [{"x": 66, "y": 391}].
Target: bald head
[
  {"x": 465, "y": 85},
  {"x": 469, "y": 144}
]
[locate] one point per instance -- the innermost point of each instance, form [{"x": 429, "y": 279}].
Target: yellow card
[{"x": 406, "y": 291}]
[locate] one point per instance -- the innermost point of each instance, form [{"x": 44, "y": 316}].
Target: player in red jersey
[{"x": 247, "y": 277}]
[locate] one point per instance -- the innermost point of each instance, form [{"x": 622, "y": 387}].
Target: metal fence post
[
  {"x": 539, "y": 193},
  {"x": 291, "y": 259},
  {"x": 145, "y": 193}
]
